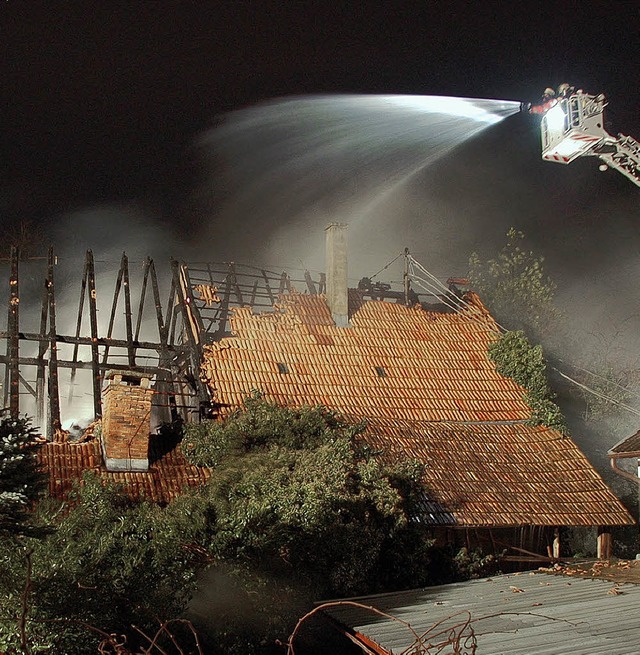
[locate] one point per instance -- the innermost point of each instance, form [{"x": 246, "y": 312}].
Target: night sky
[{"x": 102, "y": 100}]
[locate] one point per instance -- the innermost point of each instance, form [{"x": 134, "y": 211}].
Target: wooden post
[
  {"x": 13, "y": 345},
  {"x": 54, "y": 386},
  {"x": 114, "y": 306},
  {"x": 192, "y": 325},
  {"x": 131, "y": 350},
  {"x": 93, "y": 321},
  {"x": 42, "y": 349},
  {"x": 556, "y": 543},
  {"x": 605, "y": 542},
  {"x": 83, "y": 290}
]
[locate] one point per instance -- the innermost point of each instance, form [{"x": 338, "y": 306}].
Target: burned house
[
  {"x": 424, "y": 383},
  {"x": 419, "y": 375}
]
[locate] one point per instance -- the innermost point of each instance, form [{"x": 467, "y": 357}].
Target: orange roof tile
[
  {"x": 427, "y": 387},
  {"x": 168, "y": 475},
  {"x": 505, "y": 474}
]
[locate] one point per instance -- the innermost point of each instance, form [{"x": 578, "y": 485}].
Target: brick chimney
[
  {"x": 126, "y": 420},
  {"x": 336, "y": 265}
]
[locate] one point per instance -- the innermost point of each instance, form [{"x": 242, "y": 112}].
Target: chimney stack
[
  {"x": 337, "y": 283},
  {"x": 126, "y": 421}
]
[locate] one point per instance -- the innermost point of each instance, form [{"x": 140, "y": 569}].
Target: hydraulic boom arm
[{"x": 573, "y": 126}]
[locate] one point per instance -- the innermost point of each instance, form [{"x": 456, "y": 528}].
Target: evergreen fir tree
[{"x": 21, "y": 482}]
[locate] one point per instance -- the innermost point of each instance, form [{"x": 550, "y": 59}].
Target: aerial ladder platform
[{"x": 572, "y": 126}]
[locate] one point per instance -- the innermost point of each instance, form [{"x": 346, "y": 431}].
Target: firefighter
[
  {"x": 548, "y": 101},
  {"x": 565, "y": 90}
]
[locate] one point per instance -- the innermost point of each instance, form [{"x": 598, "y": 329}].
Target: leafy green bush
[
  {"x": 303, "y": 510},
  {"x": 261, "y": 425},
  {"x": 515, "y": 287},
  {"x": 517, "y": 359},
  {"x": 295, "y": 493}
]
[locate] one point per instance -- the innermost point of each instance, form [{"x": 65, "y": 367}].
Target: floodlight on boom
[{"x": 556, "y": 119}]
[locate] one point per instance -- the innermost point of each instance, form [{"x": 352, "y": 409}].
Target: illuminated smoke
[
  {"x": 443, "y": 176},
  {"x": 278, "y": 172}
]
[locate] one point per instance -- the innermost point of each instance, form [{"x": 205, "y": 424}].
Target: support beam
[
  {"x": 272, "y": 300},
  {"x": 13, "y": 347},
  {"x": 131, "y": 350},
  {"x": 54, "y": 387},
  {"x": 42, "y": 349},
  {"x": 192, "y": 326},
  {"x": 83, "y": 291},
  {"x": 93, "y": 320},
  {"x": 605, "y": 542}
]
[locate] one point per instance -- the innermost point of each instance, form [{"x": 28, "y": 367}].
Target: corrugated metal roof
[
  {"x": 527, "y": 614},
  {"x": 440, "y": 400}
]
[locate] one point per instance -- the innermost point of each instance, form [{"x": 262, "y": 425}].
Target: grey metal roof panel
[
  {"x": 627, "y": 446},
  {"x": 526, "y": 614}
]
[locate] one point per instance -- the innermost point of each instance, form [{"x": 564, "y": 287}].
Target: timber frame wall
[{"x": 196, "y": 313}]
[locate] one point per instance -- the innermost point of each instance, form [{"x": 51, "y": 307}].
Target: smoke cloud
[{"x": 420, "y": 173}]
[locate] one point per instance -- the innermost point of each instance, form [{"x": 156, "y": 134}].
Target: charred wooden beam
[
  {"x": 143, "y": 293},
  {"x": 285, "y": 283},
  {"x": 83, "y": 291},
  {"x": 233, "y": 278},
  {"x": 89, "y": 341},
  {"x": 114, "y": 305},
  {"x": 165, "y": 383},
  {"x": 322, "y": 285},
  {"x": 193, "y": 327},
  {"x": 54, "y": 387},
  {"x": 93, "y": 320},
  {"x": 42, "y": 349},
  {"x": 68, "y": 363},
  {"x": 252, "y": 301},
  {"x": 223, "y": 313},
  {"x": 131, "y": 350},
  {"x": 267, "y": 285},
  {"x": 311, "y": 287},
  {"x": 13, "y": 345},
  {"x": 27, "y": 386}
]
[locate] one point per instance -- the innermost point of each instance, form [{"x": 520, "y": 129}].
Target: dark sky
[{"x": 101, "y": 101}]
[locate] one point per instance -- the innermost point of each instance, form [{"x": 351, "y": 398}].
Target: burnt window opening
[
  {"x": 282, "y": 368},
  {"x": 380, "y": 371}
]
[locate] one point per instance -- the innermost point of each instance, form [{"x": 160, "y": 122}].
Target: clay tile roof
[
  {"x": 169, "y": 472},
  {"x": 426, "y": 386},
  {"x": 502, "y": 474}
]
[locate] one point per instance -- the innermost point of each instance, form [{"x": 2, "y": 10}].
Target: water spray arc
[{"x": 299, "y": 163}]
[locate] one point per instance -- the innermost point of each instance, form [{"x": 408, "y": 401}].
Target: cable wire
[
  {"x": 461, "y": 306},
  {"x": 603, "y": 378},
  {"x": 598, "y": 394},
  {"x": 464, "y": 304},
  {"x": 395, "y": 259}
]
